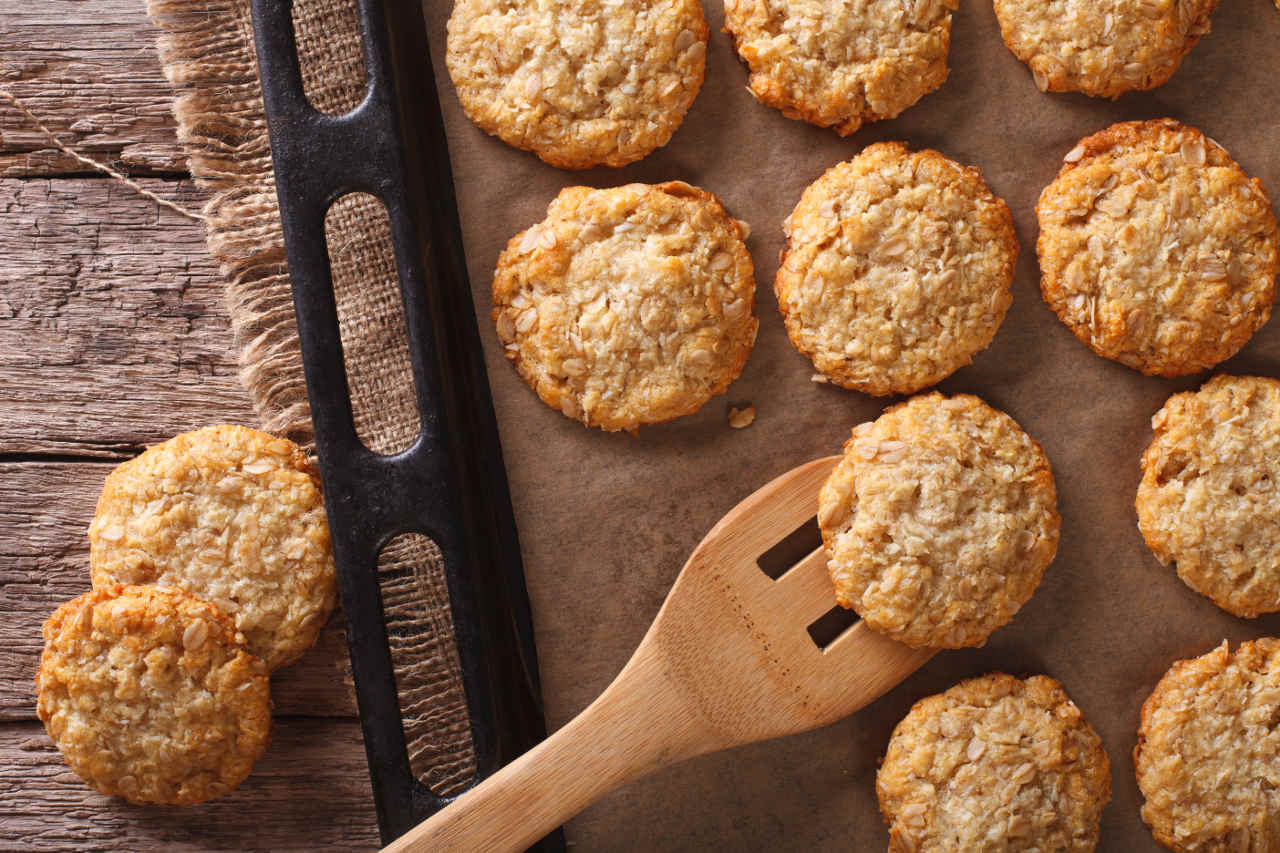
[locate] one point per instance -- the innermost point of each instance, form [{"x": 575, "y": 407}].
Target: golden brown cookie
[
  {"x": 580, "y": 84},
  {"x": 232, "y": 515},
  {"x": 151, "y": 695},
  {"x": 1102, "y": 49},
  {"x": 897, "y": 269},
  {"x": 1208, "y": 502},
  {"x": 939, "y": 521},
  {"x": 1208, "y": 753},
  {"x": 627, "y": 306},
  {"x": 1156, "y": 249},
  {"x": 841, "y": 68},
  {"x": 995, "y": 763}
]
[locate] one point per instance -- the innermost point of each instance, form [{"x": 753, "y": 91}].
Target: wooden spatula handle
[{"x": 640, "y": 723}]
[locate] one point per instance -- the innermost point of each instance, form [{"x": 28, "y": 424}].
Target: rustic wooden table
[{"x": 113, "y": 335}]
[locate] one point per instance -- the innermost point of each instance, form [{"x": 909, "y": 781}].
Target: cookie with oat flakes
[
  {"x": 897, "y": 269},
  {"x": 844, "y": 67},
  {"x": 627, "y": 306},
  {"x": 1207, "y": 502},
  {"x": 151, "y": 695},
  {"x": 996, "y": 763},
  {"x": 939, "y": 521},
  {"x": 1208, "y": 751},
  {"x": 580, "y": 84},
  {"x": 232, "y": 515},
  {"x": 1156, "y": 249},
  {"x": 1102, "y": 49}
]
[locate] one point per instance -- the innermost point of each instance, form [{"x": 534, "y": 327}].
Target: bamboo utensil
[{"x": 728, "y": 661}]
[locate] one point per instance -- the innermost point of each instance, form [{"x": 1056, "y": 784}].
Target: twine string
[{"x": 103, "y": 168}]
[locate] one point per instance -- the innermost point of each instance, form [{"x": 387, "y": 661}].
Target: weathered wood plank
[
  {"x": 113, "y": 326},
  {"x": 45, "y": 508},
  {"x": 91, "y": 73},
  {"x": 310, "y": 791}
]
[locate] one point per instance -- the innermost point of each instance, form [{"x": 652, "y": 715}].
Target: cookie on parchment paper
[
  {"x": 1208, "y": 751},
  {"x": 996, "y": 763},
  {"x": 580, "y": 84},
  {"x": 232, "y": 515},
  {"x": 844, "y": 67},
  {"x": 939, "y": 521},
  {"x": 151, "y": 695},
  {"x": 897, "y": 269},
  {"x": 627, "y": 306},
  {"x": 1209, "y": 501},
  {"x": 1156, "y": 249},
  {"x": 1102, "y": 49}
]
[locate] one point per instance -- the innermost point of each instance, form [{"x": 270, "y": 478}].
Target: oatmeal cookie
[
  {"x": 627, "y": 306},
  {"x": 897, "y": 269},
  {"x": 1208, "y": 499},
  {"x": 580, "y": 84},
  {"x": 1156, "y": 249},
  {"x": 151, "y": 695},
  {"x": 866, "y": 61},
  {"x": 939, "y": 521},
  {"x": 232, "y": 515},
  {"x": 1208, "y": 753},
  {"x": 996, "y": 763},
  {"x": 1102, "y": 49}
]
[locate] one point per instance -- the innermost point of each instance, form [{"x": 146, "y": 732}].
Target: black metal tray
[{"x": 451, "y": 484}]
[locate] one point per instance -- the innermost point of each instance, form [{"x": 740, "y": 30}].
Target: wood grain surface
[
  {"x": 89, "y": 71},
  {"x": 114, "y": 335},
  {"x": 114, "y": 332},
  {"x": 309, "y": 792}
]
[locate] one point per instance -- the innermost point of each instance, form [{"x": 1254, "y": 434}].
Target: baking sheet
[{"x": 607, "y": 520}]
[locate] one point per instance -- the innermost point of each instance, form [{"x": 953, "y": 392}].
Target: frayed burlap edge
[
  {"x": 208, "y": 58},
  {"x": 206, "y": 48}
]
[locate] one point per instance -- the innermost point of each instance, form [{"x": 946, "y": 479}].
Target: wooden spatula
[{"x": 727, "y": 661}]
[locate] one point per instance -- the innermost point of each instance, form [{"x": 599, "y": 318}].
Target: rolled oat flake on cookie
[
  {"x": 578, "y": 83},
  {"x": 939, "y": 521},
  {"x": 1208, "y": 751},
  {"x": 627, "y": 306},
  {"x": 996, "y": 763},
  {"x": 897, "y": 269},
  {"x": 841, "y": 65},
  {"x": 232, "y": 515},
  {"x": 1102, "y": 49},
  {"x": 151, "y": 695},
  {"x": 1209, "y": 500},
  {"x": 1156, "y": 249}
]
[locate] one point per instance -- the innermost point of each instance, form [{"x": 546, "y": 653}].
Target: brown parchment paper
[{"x": 607, "y": 520}]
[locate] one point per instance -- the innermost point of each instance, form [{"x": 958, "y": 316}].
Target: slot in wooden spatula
[{"x": 727, "y": 661}]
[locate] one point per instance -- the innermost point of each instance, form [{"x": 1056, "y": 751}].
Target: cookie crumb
[{"x": 742, "y": 418}]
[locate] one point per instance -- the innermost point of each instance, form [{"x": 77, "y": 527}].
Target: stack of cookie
[{"x": 211, "y": 568}]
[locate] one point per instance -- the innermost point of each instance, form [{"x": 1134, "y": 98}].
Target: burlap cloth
[{"x": 207, "y": 50}]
